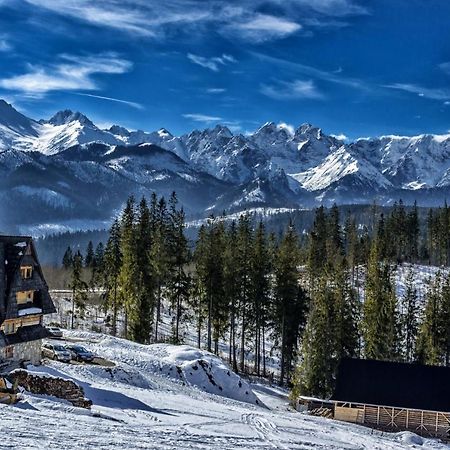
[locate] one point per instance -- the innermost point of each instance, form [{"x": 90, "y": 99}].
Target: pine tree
[
  {"x": 112, "y": 264},
  {"x": 129, "y": 269},
  {"x": 314, "y": 376},
  {"x": 380, "y": 326},
  {"x": 78, "y": 286},
  {"x": 179, "y": 281},
  {"x": 428, "y": 350},
  {"x": 159, "y": 253},
  {"x": 143, "y": 316},
  {"x": 409, "y": 316},
  {"x": 231, "y": 291},
  {"x": 290, "y": 302},
  {"x": 89, "y": 258},
  {"x": 261, "y": 267},
  {"x": 244, "y": 257},
  {"x": 67, "y": 260}
]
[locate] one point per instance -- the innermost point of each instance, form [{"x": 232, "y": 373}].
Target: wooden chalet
[
  {"x": 390, "y": 396},
  {"x": 24, "y": 299}
]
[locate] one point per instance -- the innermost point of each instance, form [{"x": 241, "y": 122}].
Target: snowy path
[{"x": 135, "y": 407}]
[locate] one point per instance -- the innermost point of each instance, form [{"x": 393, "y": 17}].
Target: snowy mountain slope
[
  {"x": 67, "y": 166},
  {"x": 137, "y": 408}
]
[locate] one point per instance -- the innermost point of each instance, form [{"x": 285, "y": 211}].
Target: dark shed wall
[{"x": 393, "y": 384}]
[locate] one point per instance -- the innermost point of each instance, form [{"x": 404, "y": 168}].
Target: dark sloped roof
[
  {"x": 393, "y": 384},
  {"x": 24, "y": 334}
]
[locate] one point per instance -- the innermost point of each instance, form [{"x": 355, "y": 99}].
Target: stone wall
[
  {"x": 46, "y": 385},
  {"x": 25, "y": 351}
]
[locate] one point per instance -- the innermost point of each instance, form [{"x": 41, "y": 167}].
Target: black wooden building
[
  {"x": 394, "y": 396},
  {"x": 24, "y": 299}
]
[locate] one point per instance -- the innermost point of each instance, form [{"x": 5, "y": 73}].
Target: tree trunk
[{"x": 158, "y": 311}]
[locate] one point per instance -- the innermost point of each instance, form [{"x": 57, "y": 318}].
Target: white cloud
[
  {"x": 314, "y": 73},
  {"x": 431, "y": 93},
  {"x": 196, "y": 117},
  {"x": 287, "y": 90},
  {"x": 215, "y": 90},
  {"x": 263, "y": 27},
  {"x": 72, "y": 73},
  {"x": 214, "y": 63},
  {"x": 336, "y": 8},
  {"x": 340, "y": 137},
  {"x": 5, "y": 46},
  {"x": 149, "y": 18},
  {"x": 112, "y": 99},
  {"x": 285, "y": 126}
]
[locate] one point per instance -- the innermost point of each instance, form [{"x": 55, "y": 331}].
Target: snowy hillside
[
  {"x": 137, "y": 406},
  {"x": 51, "y": 165}
]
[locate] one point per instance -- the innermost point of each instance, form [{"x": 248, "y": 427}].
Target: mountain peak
[
  {"x": 16, "y": 121},
  {"x": 67, "y": 116},
  {"x": 119, "y": 131},
  {"x": 309, "y": 130}
]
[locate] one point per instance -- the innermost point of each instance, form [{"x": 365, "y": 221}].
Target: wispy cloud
[
  {"x": 313, "y": 72},
  {"x": 335, "y": 8},
  {"x": 244, "y": 19},
  {"x": 214, "y": 63},
  {"x": 216, "y": 90},
  {"x": 431, "y": 93},
  {"x": 287, "y": 90},
  {"x": 72, "y": 73},
  {"x": 204, "y": 118},
  {"x": 264, "y": 27},
  {"x": 340, "y": 137},
  {"x": 286, "y": 126},
  {"x": 445, "y": 67},
  {"x": 5, "y": 46},
  {"x": 112, "y": 99}
]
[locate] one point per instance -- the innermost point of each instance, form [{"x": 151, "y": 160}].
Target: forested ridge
[{"x": 317, "y": 296}]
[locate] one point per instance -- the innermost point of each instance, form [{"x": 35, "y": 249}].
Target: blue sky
[{"x": 352, "y": 67}]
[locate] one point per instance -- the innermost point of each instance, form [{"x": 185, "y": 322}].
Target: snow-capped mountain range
[{"x": 66, "y": 168}]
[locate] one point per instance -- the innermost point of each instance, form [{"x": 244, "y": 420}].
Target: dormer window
[
  {"x": 24, "y": 297},
  {"x": 26, "y": 272}
]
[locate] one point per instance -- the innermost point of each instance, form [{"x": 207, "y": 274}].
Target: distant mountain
[{"x": 67, "y": 172}]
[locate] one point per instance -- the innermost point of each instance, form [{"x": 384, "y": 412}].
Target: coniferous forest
[{"x": 316, "y": 297}]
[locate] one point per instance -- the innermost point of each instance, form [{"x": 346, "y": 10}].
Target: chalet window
[
  {"x": 26, "y": 272},
  {"x": 9, "y": 352},
  {"x": 24, "y": 297},
  {"x": 9, "y": 327}
]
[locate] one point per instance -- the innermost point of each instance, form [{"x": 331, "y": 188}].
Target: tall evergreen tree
[
  {"x": 129, "y": 269},
  {"x": 67, "y": 261},
  {"x": 89, "y": 258},
  {"x": 112, "y": 264},
  {"x": 380, "y": 326},
  {"x": 78, "y": 286},
  {"x": 290, "y": 302},
  {"x": 409, "y": 317}
]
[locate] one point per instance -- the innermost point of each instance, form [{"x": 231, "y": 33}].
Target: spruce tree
[
  {"x": 428, "y": 350},
  {"x": 67, "y": 261},
  {"x": 143, "y": 314},
  {"x": 89, "y": 258},
  {"x": 78, "y": 286},
  {"x": 179, "y": 281},
  {"x": 290, "y": 301},
  {"x": 128, "y": 277},
  {"x": 380, "y": 325},
  {"x": 261, "y": 267},
  {"x": 112, "y": 264},
  {"x": 409, "y": 318}
]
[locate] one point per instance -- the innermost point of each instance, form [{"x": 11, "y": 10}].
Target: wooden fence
[{"x": 423, "y": 422}]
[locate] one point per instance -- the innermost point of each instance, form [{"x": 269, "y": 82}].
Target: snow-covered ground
[{"x": 139, "y": 404}]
